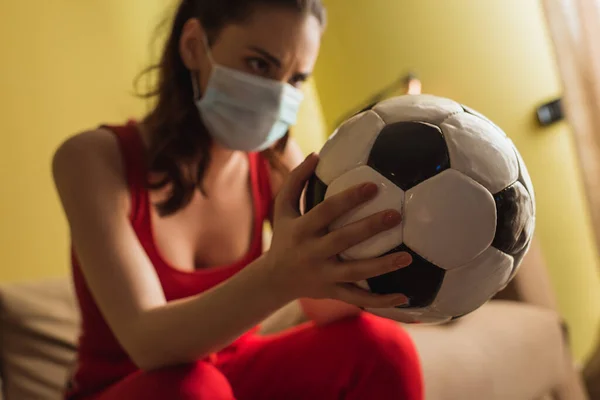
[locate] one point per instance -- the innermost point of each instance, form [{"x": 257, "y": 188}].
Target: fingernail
[
  {"x": 310, "y": 157},
  {"x": 403, "y": 260},
  {"x": 401, "y": 300},
  {"x": 368, "y": 190},
  {"x": 392, "y": 218}
]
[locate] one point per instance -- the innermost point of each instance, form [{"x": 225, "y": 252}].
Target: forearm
[
  {"x": 322, "y": 312},
  {"x": 189, "y": 329}
]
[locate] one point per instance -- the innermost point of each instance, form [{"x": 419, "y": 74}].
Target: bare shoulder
[
  {"x": 292, "y": 157},
  {"x": 87, "y": 148},
  {"x": 89, "y": 165}
]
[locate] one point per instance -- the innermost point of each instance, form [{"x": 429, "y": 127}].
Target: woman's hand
[{"x": 303, "y": 258}]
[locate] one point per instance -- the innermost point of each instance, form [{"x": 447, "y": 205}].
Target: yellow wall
[
  {"x": 68, "y": 66},
  {"x": 495, "y": 56},
  {"x": 311, "y": 130}
]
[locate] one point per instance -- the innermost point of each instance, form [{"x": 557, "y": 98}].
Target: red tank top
[{"x": 101, "y": 359}]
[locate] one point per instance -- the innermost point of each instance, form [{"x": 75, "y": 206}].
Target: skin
[
  {"x": 287, "y": 57},
  {"x": 301, "y": 263}
]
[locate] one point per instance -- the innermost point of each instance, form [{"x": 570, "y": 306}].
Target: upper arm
[{"x": 89, "y": 178}]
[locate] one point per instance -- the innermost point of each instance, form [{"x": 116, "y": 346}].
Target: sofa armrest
[{"x": 39, "y": 324}]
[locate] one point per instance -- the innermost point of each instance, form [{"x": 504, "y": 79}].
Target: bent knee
[
  {"x": 375, "y": 337},
  {"x": 196, "y": 381}
]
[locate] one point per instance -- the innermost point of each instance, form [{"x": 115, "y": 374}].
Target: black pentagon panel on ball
[
  {"x": 315, "y": 193},
  {"x": 408, "y": 153},
  {"x": 420, "y": 281},
  {"x": 515, "y": 221}
]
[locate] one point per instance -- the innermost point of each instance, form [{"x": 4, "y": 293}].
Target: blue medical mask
[{"x": 246, "y": 112}]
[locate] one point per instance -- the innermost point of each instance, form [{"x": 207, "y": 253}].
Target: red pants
[{"x": 362, "y": 358}]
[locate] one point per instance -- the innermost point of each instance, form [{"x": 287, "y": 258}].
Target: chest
[{"x": 212, "y": 230}]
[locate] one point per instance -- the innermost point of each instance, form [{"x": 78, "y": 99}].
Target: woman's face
[{"x": 273, "y": 43}]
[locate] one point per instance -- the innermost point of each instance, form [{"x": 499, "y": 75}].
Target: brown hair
[{"x": 178, "y": 136}]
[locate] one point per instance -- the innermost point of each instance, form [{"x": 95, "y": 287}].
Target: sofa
[{"x": 515, "y": 347}]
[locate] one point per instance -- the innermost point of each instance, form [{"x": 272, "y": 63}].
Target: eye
[
  {"x": 297, "y": 83},
  {"x": 297, "y": 80},
  {"x": 259, "y": 66}
]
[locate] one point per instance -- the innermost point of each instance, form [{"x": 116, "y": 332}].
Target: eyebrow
[
  {"x": 300, "y": 76},
  {"x": 267, "y": 55}
]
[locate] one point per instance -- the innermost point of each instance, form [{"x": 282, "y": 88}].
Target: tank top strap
[
  {"x": 261, "y": 180},
  {"x": 134, "y": 163}
]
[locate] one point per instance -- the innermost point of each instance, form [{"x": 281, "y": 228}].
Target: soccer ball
[{"x": 464, "y": 192}]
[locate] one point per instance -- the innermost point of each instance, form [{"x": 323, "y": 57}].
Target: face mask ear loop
[
  {"x": 195, "y": 85},
  {"x": 195, "y": 88}
]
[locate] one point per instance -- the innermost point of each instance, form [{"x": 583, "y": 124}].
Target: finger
[
  {"x": 352, "y": 234},
  {"x": 334, "y": 207},
  {"x": 352, "y": 294},
  {"x": 354, "y": 271},
  {"x": 289, "y": 196}
]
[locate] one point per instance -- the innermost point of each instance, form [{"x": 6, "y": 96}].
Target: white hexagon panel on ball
[
  {"x": 468, "y": 287},
  {"x": 524, "y": 174},
  {"x": 480, "y": 151},
  {"x": 349, "y": 146},
  {"x": 449, "y": 219},
  {"x": 417, "y": 108},
  {"x": 476, "y": 113},
  {"x": 389, "y": 196}
]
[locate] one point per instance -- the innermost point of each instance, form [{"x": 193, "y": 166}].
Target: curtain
[{"x": 575, "y": 31}]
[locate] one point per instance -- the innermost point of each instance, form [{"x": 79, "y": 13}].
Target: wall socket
[{"x": 550, "y": 112}]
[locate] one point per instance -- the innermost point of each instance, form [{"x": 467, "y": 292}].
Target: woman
[{"x": 166, "y": 221}]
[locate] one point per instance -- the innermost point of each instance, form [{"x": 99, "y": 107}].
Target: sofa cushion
[
  {"x": 504, "y": 350},
  {"x": 39, "y": 324}
]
